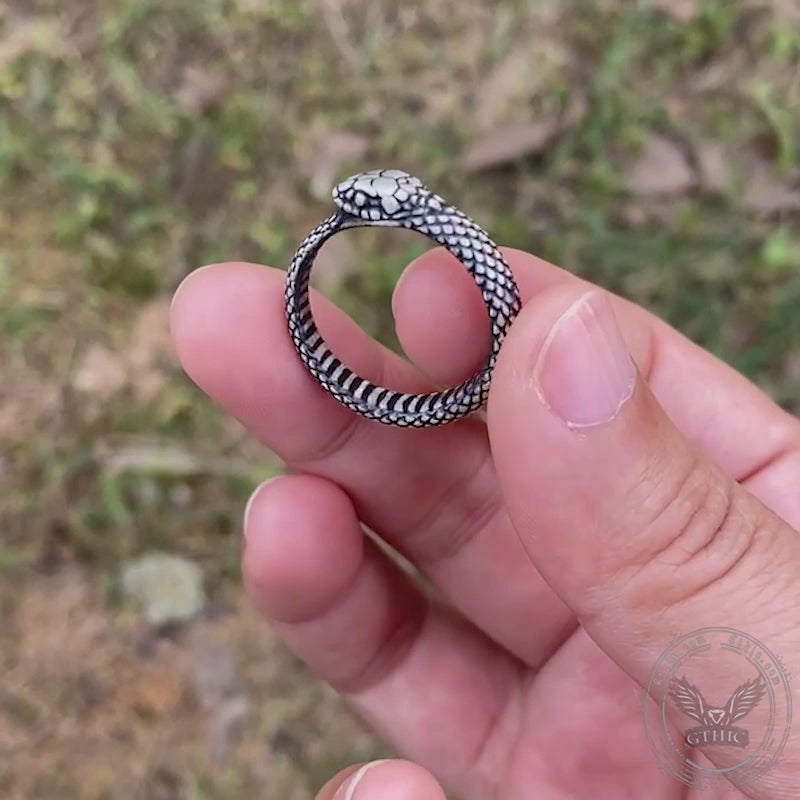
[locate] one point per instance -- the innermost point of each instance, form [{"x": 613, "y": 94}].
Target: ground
[{"x": 653, "y": 147}]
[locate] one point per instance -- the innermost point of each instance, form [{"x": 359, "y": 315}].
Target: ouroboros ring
[{"x": 391, "y": 198}]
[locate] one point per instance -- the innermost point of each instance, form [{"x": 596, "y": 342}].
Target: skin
[{"x": 562, "y": 559}]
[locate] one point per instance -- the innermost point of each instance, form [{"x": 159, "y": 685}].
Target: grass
[{"x": 139, "y": 140}]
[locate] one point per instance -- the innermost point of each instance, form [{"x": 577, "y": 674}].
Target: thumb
[{"x": 637, "y": 532}]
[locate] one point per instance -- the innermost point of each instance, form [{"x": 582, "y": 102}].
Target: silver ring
[{"x": 392, "y": 198}]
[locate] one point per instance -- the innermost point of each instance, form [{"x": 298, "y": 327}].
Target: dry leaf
[
  {"x": 661, "y": 169},
  {"x": 30, "y": 34},
  {"x": 160, "y": 691},
  {"x": 523, "y": 75},
  {"x": 682, "y": 10},
  {"x": 635, "y": 215},
  {"x": 762, "y": 191},
  {"x": 149, "y": 349},
  {"x": 101, "y": 373},
  {"x": 678, "y": 108},
  {"x": 200, "y": 89},
  {"x": 715, "y": 164},
  {"x": 151, "y": 340},
  {"x": 502, "y": 85},
  {"x": 34, "y": 398},
  {"x": 511, "y": 143},
  {"x": 323, "y": 154},
  {"x": 575, "y": 112},
  {"x": 508, "y": 143},
  {"x": 201, "y": 178},
  {"x": 766, "y": 193}
]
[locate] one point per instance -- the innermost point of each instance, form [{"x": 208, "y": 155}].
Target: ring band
[{"x": 391, "y": 198}]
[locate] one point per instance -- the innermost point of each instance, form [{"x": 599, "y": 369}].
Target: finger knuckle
[{"x": 708, "y": 532}]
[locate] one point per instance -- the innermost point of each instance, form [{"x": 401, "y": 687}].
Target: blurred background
[{"x": 653, "y": 147}]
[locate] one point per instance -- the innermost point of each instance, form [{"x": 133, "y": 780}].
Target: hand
[{"x": 602, "y": 509}]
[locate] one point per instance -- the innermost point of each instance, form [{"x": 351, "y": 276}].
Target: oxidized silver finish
[{"x": 391, "y": 198}]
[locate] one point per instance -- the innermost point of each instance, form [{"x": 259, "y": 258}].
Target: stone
[{"x": 167, "y": 588}]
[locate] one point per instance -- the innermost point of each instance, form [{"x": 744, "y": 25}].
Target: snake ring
[{"x": 391, "y": 198}]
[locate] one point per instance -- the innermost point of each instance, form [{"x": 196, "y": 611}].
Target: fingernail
[
  {"x": 585, "y": 373},
  {"x": 256, "y": 492},
  {"x": 347, "y": 791}
]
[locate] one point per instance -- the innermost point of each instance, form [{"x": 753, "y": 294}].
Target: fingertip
[
  {"x": 304, "y": 546},
  {"x": 428, "y": 270},
  {"x": 203, "y": 309},
  {"x": 440, "y": 318},
  {"x": 205, "y": 283},
  {"x": 332, "y": 785},
  {"x": 389, "y": 779},
  {"x": 252, "y": 500},
  {"x": 189, "y": 282}
]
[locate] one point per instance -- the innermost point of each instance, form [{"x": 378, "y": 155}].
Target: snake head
[{"x": 381, "y": 195}]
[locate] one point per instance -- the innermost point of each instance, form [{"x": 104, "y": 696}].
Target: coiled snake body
[{"x": 392, "y": 198}]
